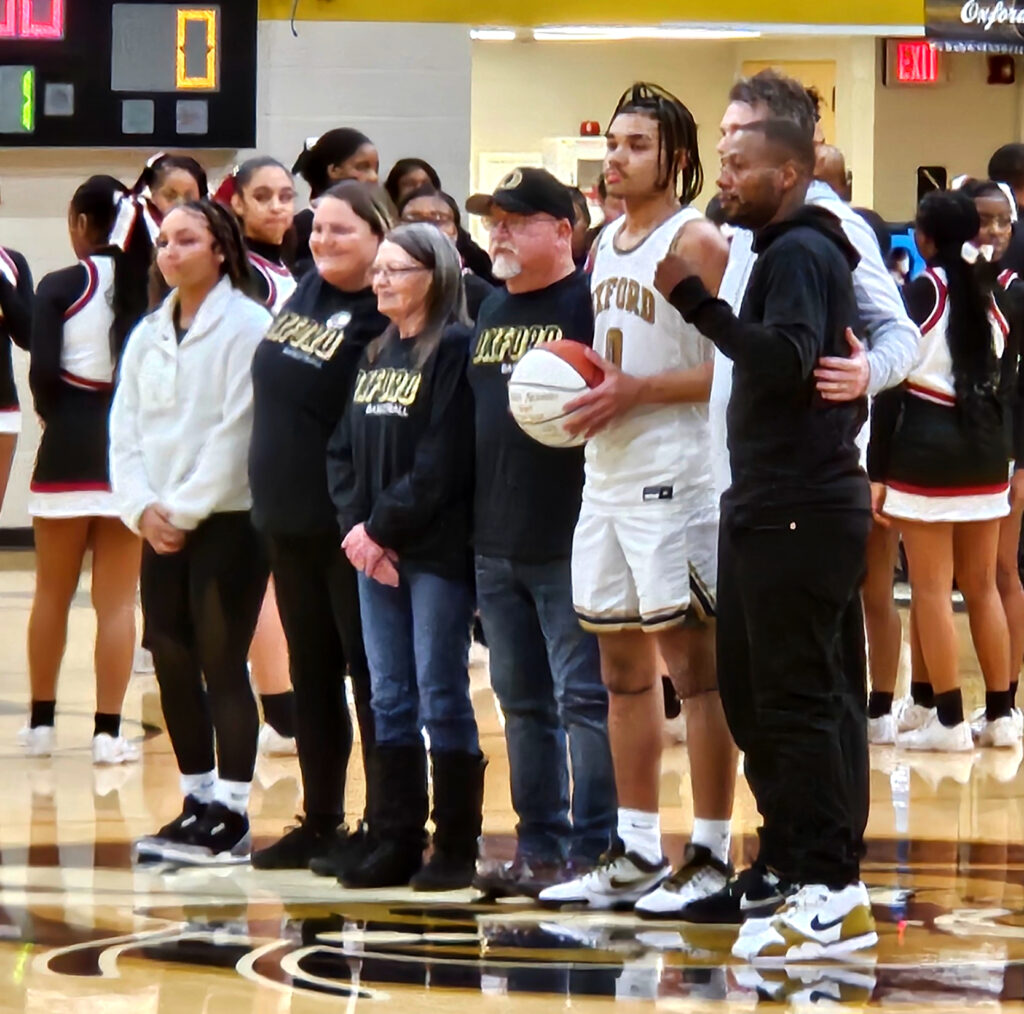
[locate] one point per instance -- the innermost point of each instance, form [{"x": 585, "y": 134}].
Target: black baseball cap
[{"x": 526, "y": 191}]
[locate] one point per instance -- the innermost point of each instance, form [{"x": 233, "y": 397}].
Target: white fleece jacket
[{"x": 181, "y": 420}]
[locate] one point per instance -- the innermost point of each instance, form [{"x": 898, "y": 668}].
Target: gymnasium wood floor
[{"x": 82, "y": 931}]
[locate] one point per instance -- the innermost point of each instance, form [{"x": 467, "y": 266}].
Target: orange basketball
[{"x": 575, "y": 354}]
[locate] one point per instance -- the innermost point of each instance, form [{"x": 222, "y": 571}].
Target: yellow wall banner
[{"x": 530, "y": 13}]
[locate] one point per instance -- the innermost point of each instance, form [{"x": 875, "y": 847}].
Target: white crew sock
[
  {"x": 233, "y": 795},
  {"x": 641, "y": 833},
  {"x": 715, "y": 835},
  {"x": 199, "y": 786}
]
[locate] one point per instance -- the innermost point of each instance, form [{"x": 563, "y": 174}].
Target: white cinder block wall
[{"x": 407, "y": 86}]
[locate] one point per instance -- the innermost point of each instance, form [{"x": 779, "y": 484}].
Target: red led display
[
  {"x": 21, "y": 19},
  {"x": 917, "y": 62}
]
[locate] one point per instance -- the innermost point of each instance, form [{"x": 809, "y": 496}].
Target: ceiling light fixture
[
  {"x": 492, "y": 34},
  {"x": 619, "y": 33}
]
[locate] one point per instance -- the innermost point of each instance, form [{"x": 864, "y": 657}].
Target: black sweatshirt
[
  {"x": 787, "y": 446},
  {"x": 527, "y": 495},
  {"x": 302, "y": 375},
  {"x": 16, "y": 325},
  {"x": 401, "y": 460}
]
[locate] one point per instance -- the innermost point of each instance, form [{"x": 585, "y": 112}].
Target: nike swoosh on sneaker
[
  {"x": 218, "y": 829},
  {"x": 818, "y": 926},
  {"x": 749, "y": 903}
]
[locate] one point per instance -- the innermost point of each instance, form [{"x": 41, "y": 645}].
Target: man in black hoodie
[{"x": 792, "y": 541}]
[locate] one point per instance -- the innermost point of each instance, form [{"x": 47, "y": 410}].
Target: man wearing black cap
[{"x": 544, "y": 668}]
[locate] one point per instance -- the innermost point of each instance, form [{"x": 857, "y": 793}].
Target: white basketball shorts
[{"x": 648, "y": 567}]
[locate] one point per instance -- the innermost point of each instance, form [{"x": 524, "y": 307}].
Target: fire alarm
[
  {"x": 1001, "y": 70},
  {"x": 590, "y": 128}
]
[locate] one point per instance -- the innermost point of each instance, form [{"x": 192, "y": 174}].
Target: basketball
[{"x": 543, "y": 382}]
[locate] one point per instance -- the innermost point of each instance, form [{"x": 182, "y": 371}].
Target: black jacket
[
  {"x": 787, "y": 446},
  {"x": 302, "y": 374},
  {"x": 401, "y": 460}
]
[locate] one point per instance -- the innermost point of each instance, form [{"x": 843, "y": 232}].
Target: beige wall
[{"x": 956, "y": 124}]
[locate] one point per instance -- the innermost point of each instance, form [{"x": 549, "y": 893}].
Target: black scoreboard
[{"x": 101, "y": 73}]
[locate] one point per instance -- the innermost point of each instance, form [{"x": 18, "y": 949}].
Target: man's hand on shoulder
[{"x": 844, "y": 378}]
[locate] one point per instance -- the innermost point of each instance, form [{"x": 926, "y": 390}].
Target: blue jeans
[
  {"x": 417, "y": 645},
  {"x": 546, "y": 672}
]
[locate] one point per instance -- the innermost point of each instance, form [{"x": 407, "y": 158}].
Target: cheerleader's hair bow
[{"x": 972, "y": 254}]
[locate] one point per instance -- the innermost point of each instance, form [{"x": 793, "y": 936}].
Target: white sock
[
  {"x": 715, "y": 835},
  {"x": 199, "y": 786},
  {"x": 233, "y": 795},
  {"x": 641, "y": 833}
]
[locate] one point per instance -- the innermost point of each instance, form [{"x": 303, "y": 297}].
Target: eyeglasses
[
  {"x": 516, "y": 223},
  {"x": 428, "y": 217},
  {"x": 385, "y": 273}
]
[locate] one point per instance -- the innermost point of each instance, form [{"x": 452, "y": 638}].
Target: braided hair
[
  {"x": 227, "y": 239},
  {"x": 949, "y": 219},
  {"x": 678, "y": 153}
]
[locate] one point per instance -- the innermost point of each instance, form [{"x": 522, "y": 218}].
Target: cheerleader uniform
[
  {"x": 15, "y": 326},
  {"x": 936, "y": 465},
  {"x": 72, "y": 379},
  {"x": 274, "y": 283}
]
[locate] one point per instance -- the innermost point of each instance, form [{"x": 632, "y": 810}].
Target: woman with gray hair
[{"x": 400, "y": 472}]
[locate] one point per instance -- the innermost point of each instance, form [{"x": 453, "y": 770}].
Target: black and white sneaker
[
  {"x": 700, "y": 876},
  {"x": 220, "y": 836},
  {"x": 619, "y": 881},
  {"x": 152, "y": 847},
  {"x": 754, "y": 893}
]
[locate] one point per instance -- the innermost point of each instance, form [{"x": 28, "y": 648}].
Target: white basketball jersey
[
  {"x": 280, "y": 282},
  {"x": 85, "y": 359},
  {"x": 654, "y": 452}
]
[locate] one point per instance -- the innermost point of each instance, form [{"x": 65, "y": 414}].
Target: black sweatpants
[
  {"x": 792, "y": 679},
  {"x": 318, "y": 600},
  {"x": 201, "y": 605}
]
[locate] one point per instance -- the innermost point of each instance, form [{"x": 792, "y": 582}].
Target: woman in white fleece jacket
[{"x": 179, "y": 442}]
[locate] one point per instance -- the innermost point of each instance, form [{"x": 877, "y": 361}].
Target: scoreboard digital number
[{"x": 101, "y": 73}]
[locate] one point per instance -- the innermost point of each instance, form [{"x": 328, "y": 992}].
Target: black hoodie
[{"x": 787, "y": 446}]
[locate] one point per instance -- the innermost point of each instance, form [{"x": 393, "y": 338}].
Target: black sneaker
[
  {"x": 151, "y": 847},
  {"x": 220, "y": 836},
  {"x": 297, "y": 848},
  {"x": 522, "y": 876},
  {"x": 754, "y": 893}
]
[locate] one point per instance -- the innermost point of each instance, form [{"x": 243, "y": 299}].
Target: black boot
[
  {"x": 347, "y": 852},
  {"x": 458, "y": 805},
  {"x": 397, "y": 834}
]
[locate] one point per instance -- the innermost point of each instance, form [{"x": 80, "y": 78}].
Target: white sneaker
[
  {"x": 933, "y": 735},
  {"x": 882, "y": 730},
  {"x": 272, "y": 744},
  {"x": 143, "y": 661},
  {"x": 1002, "y": 732},
  {"x": 700, "y": 876},
  {"x": 620, "y": 880},
  {"x": 815, "y": 924},
  {"x": 912, "y": 716},
  {"x": 979, "y": 721},
  {"x": 107, "y": 749},
  {"x": 38, "y": 742}
]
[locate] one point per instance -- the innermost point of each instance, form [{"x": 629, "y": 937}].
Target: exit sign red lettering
[{"x": 917, "y": 62}]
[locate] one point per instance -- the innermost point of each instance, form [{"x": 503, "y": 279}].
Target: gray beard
[{"x": 505, "y": 266}]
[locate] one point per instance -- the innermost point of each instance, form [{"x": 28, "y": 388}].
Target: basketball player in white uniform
[{"x": 644, "y": 553}]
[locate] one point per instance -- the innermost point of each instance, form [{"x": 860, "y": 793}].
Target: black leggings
[
  {"x": 318, "y": 600},
  {"x": 201, "y": 606}
]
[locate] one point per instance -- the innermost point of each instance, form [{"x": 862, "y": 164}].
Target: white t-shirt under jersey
[{"x": 654, "y": 452}]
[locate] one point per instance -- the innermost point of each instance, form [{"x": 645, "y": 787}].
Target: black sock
[
  {"x": 997, "y": 704},
  {"x": 879, "y": 704},
  {"x": 323, "y": 823},
  {"x": 43, "y": 713},
  {"x": 110, "y": 724},
  {"x": 279, "y": 712},
  {"x": 950, "y": 707},
  {"x": 922, "y": 693},
  {"x": 1013, "y": 693}
]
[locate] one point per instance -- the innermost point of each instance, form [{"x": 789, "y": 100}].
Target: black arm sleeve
[
  {"x": 16, "y": 302},
  {"x": 342, "y": 481},
  {"x": 443, "y": 458},
  {"x": 57, "y": 292},
  {"x": 785, "y": 346}
]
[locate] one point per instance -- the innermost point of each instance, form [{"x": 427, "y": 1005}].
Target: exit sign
[{"x": 911, "y": 62}]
